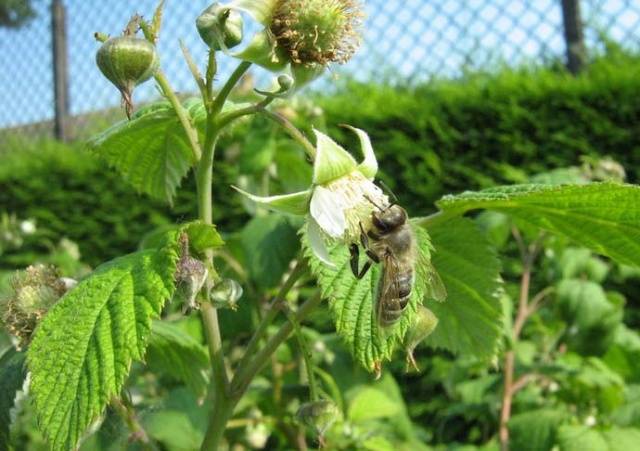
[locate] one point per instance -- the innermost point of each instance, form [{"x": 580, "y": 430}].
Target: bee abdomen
[
  {"x": 392, "y": 309},
  {"x": 404, "y": 282}
]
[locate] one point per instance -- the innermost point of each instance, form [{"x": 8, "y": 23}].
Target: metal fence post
[
  {"x": 60, "y": 71},
  {"x": 574, "y": 35}
]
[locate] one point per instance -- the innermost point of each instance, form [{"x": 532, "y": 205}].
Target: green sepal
[
  {"x": 262, "y": 50},
  {"x": 261, "y": 10},
  {"x": 304, "y": 75},
  {"x": 332, "y": 161},
  {"x": 294, "y": 203},
  {"x": 369, "y": 166}
]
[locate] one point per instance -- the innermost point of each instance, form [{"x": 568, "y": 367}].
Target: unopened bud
[
  {"x": 424, "y": 324},
  {"x": 285, "y": 82},
  {"x": 191, "y": 274},
  {"x": 33, "y": 292},
  {"x": 318, "y": 415},
  {"x": 225, "y": 294},
  {"x": 127, "y": 61},
  {"x": 220, "y": 27}
]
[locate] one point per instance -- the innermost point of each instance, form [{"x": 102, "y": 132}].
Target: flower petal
[
  {"x": 263, "y": 51},
  {"x": 369, "y": 166},
  {"x": 327, "y": 210},
  {"x": 260, "y": 10},
  {"x": 317, "y": 244},
  {"x": 295, "y": 203},
  {"x": 332, "y": 161}
]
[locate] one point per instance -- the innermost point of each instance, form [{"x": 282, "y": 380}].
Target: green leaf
[
  {"x": 581, "y": 438},
  {"x": 470, "y": 322},
  {"x": 604, "y": 217},
  {"x": 151, "y": 151},
  {"x": 12, "y": 375},
  {"x": 535, "y": 429},
  {"x": 270, "y": 243},
  {"x": 82, "y": 350},
  {"x": 584, "y": 305},
  {"x": 352, "y": 301},
  {"x": 372, "y": 403},
  {"x": 174, "y": 352},
  {"x": 202, "y": 237},
  {"x": 180, "y": 423}
]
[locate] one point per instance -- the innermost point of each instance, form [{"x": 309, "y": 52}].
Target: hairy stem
[{"x": 183, "y": 116}]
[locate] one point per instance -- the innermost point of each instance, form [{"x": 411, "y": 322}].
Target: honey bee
[{"x": 391, "y": 241}]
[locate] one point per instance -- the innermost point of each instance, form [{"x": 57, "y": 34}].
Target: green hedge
[
  {"x": 433, "y": 139},
  {"x": 70, "y": 193}
]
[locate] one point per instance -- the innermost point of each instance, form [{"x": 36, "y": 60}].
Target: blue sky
[{"x": 413, "y": 38}]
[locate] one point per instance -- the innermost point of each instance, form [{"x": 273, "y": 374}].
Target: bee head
[{"x": 389, "y": 218}]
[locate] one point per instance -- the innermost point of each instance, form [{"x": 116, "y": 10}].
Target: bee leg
[
  {"x": 373, "y": 256},
  {"x": 355, "y": 259},
  {"x": 364, "y": 269}
]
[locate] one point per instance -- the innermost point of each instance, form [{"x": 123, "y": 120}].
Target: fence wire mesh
[{"x": 404, "y": 41}]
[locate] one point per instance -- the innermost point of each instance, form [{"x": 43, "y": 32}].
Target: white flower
[
  {"x": 342, "y": 196},
  {"x": 28, "y": 226}
]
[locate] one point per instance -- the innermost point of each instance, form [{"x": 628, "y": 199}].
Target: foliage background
[{"x": 432, "y": 139}]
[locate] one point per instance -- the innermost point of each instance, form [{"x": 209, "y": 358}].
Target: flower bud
[
  {"x": 33, "y": 293},
  {"x": 127, "y": 61},
  {"x": 318, "y": 415},
  {"x": 285, "y": 81},
  {"x": 191, "y": 274},
  {"x": 424, "y": 324},
  {"x": 220, "y": 27},
  {"x": 225, "y": 294}
]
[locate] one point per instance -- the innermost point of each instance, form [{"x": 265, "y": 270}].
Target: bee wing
[
  {"x": 390, "y": 277},
  {"x": 435, "y": 287},
  {"x": 390, "y": 290}
]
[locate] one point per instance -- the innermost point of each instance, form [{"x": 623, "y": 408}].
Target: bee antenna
[
  {"x": 374, "y": 204},
  {"x": 385, "y": 188}
]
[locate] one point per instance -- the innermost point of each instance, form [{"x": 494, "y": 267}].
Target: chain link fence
[{"x": 406, "y": 41}]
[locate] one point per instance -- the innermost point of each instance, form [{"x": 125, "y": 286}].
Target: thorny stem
[
  {"x": 524, "y": 310},
  {"x": 183, "y": 116}
]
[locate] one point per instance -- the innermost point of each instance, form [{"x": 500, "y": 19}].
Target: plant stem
[
  {"x": 528, "y": 258},
  {"x": 183, "y": 116},
  {"x": 245, "y": 374},
  {"x": 222, "y": 96},
  {"x": 225, "y": 401},
  {"x": 272, "y": 311},
  {"x": 137, "y": 431},
  {"x": 306, "y": 355},
  {"x": 292, "y": 130}
]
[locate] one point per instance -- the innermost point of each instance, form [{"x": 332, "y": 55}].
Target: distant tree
[{"x": 15, "y": 13}]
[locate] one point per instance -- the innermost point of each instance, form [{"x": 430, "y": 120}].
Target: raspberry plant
[{"x": 82, "y": 349}]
